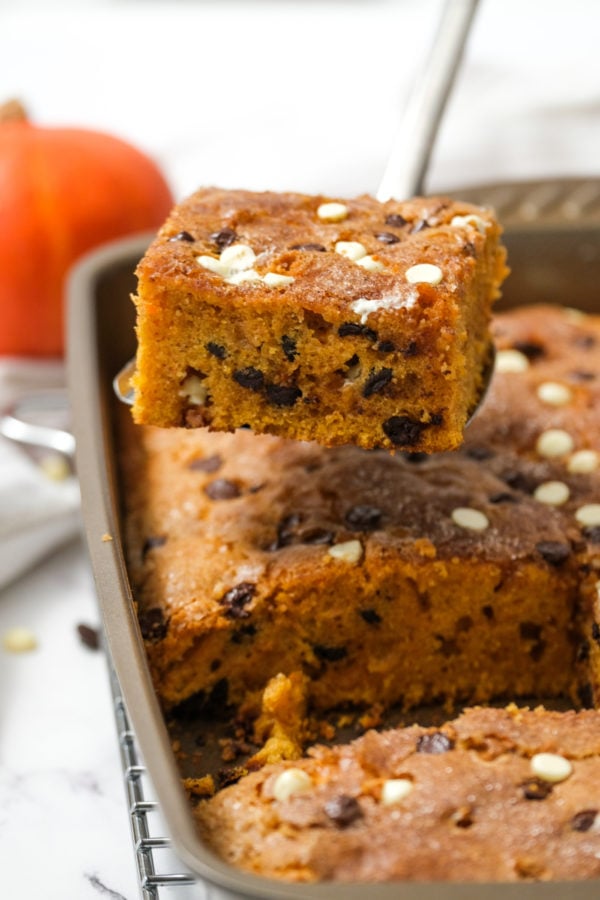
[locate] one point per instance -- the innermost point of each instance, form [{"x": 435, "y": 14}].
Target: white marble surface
[{"x": 255, "y": 94}]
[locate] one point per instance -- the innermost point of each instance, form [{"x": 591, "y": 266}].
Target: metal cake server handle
[
  {"x": 17, "y": 426},
  {"x": 415, "y": 137}
]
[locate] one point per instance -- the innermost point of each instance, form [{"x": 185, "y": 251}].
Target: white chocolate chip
[
  {"x": 588, "y": 515},
  {"x": 573, "y": 314},
  {"x": 394, "y": 790},
  {"x": 554, "y": 394},
  {"x": 351, "y": 249},
  {"x": 424, "y": 273},
  {"x": 19, "y": 640},
  {"x": 347, "y": 551},
  {"x": 551, "y": 767},
  {"x": 583, "y": 462},
  {"x": 470, "y": 220},
  {"x": 213, "y": 265},
  {"x": 511, "y": 361},
  {"x": 274, "y": 279},
  {"x": 370, "y": 264},
  {"x": 553, "y": 493},
  {"x": 472, "y": 519},
  {"x": 194, "y": 389},
  {"x": 554, "y": 442},
  {"x": 292, "y": 781},
  {"x": 238, "y": 257},
  {"x": 332, "y": 212},
  {"x": 243, "y": 276}
]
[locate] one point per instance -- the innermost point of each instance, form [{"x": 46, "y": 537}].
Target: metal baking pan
[{"x": 553, "y": 239}]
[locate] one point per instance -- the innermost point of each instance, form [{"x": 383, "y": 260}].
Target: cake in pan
[{"x": 353, "y": 322}]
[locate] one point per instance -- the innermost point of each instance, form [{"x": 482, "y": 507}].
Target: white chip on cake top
[
  {"x": 332, "y": 212},
  {"x": 395, "y": 789},
  {"x": 424, "y": 273},
  {"x": 347, "y": 551},
  {"x": 511, "y": 361},
  {"x": 554, "y": 442},
  {"x": 554, "y": 394},
  {"x": 588, "y": 515},
  {"x": 274, "y": 279},
  {"x": 238, "y": 257},
  {"x": 551, "y": 767},
  {"x": 370, "y": 264},
  {"x": 470, "y": 220},
  {"x": 583, "y": 462},
  {"x": 553, "y": 493},
  {"x": 351, "y": 249},
  {"x": 291, "y": 781},
  {"x": 471, "y": 519}
]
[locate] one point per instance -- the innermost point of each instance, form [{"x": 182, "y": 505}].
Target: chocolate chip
[
  {"x": 318, "y": 247},
  {"x": 401, "y": 430},
  {"x": 89, "y": 637},
  {"x": 411, "y": 349},
  {"x": 434, "y": 742},
  {"x": 222, "y": 489},
  {"x": 317, "y": 536},
  {"x": 182, "y": 236},
  {"x": 530, "y": 631},
  {"x": 353, "y": 361},
  {"x": 286, "y": 530},
  {"x": 362, "y": 518},
  {"x": 343, "y": 810},
  {"x": 585, "y": 692},
  {"x": 289, "y": 347},
  {"x": 153, "y": 624},
  {"x": 245, "y": 631},
  {"x": 419, "y": 225},
  {"x": 583, "y": 652},
  {"x": 370, "y": 616},
  {"x": 596, "y": 632},
  {"x": 206, "y": 464},
  {"x": 583, "y": 376},
  {"x": 348, "y": 329},
  {"x": 554, "y": 552},
  {"x": 150, "y": 543},
  {"x": 585, "y": 341},
  {"x": 583, "y": 821},
  {"x": 395, "y": 220},
  {"x": 592, "y": 533},
  {"x": 215, "y": 664},
  {"x": 330, "y": 654},
  {"x": 236, "y": 599},
  {"x": 503, "y": 497},
  {"x": 536, "y": 789},
  {"x": 479, "y": 453},
  {"x": 414, "y": 458},
  {"x": 386, "y": 346},
  {"x": 386, "y": 237},
  {"x": 469, "y": 248},
  {"x": 216, "y": 349},
  {"x": 488, "y": 611},
  {"x": 250, "y": 378},
  {"x": 377, "y": 381},
  {"x": 436, "y": 419},
  {"x": 519, "y": 481},
  {"x": 223, "y": 238},
  {"x": 531, "y": 349},
  {"x": 280, "y": 395}
]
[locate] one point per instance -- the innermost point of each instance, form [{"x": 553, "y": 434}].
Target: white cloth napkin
[{"x": 38, "y": 512}]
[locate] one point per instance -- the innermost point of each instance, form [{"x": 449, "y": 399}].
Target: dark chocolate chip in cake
[
  {"x": 581, "y": 375},
  {"x": 250, "y": 378},
  {"x": 223, "y": 238},
  {"x": 89, "y": 637},
  {"x": 222, "y": 489},
  {"x": 536, "y": 789},
  {"x": 387, "y": 237},
  {"x": 182, "y": 236},
  {"x": 319, "y": 248},
  {"x": 592, "y": 533},
  {"x": 153, "y": 624},
  {"x": 236, "y": 600},
  {"x": 363, "y": 517},
  {"x": 531, "y": 349},
  {"x": 411, "y": 349},
  {"x": 353, "y": 361},
  {"x": 414, "y": 458},
  {"x": 206, "y": 463},
  {"x": 216, "y": 350},
  {"x": 282, "y": 395},
  {"x": 156, "y": 540},
  {"x": 530, "y": 631},
  {"x": 377, "y": 381},
  {"x": 583, "y": 821},
  {"x": 402, "y": 430},
  {"x": 585, "y": 692},
  {"x": 386, "y": 346},
  {"x": 371, "y": 616},
  {"x": 503, "y": 497},
  {"x": 434, "y": 742},
  {"x": 436, "y": 419},
  {"x": 585, "y": 341},
  {"x": 244, "y": 632},
  {"x": 395, "y": 220},
  {"x": 518, "y": 480},
  {"x": 583, "y": 652},
  {"x": 488, "y": 611},
  {"x": 289, "y": 347},
  {"x": 554, "y": 552},
  {"x": 343, "y": 810},
  {"x": 330, "y": 654},
  {"x": 355, "y": 329},
  {"x": 317, "y": 536},
  {"x": 419, "y": 225}
]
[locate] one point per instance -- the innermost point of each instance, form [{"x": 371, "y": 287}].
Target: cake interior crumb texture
[
  {"x": 367, "y": 327},
  {"x": 354, "y": 579}
]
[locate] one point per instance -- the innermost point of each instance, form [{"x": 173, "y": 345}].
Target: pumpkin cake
[
  {"x": 383, "y": 579},
  {"x": 353, "y": 322},
  {"x": 495, "y": 795}
]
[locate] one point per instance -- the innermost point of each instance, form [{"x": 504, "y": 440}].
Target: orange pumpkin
[{"x": 63, "y": 191}]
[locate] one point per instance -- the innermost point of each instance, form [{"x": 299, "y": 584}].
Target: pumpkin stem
[{"x": 12, "y": 111}]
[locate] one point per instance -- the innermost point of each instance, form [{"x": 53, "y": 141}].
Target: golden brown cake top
[{"x": 323, "y": 253}]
